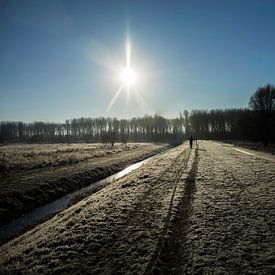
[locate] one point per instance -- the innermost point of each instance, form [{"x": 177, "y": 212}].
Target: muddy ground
[
  {"x": 37, "y": 174},
  {"x": 209, "y": 210}
]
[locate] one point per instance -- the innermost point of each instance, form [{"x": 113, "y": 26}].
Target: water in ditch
[{"x": 14, "y": 227}]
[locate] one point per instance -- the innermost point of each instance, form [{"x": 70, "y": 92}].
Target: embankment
[{"x": 21, "y": 191}]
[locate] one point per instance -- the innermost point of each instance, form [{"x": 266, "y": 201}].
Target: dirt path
[{"x": 229, "y": 228}]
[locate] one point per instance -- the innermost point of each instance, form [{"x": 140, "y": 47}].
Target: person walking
[{"x": 191, "y": 141}]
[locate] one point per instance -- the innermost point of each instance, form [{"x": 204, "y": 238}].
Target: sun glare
[{"x": 128, "y": 77}]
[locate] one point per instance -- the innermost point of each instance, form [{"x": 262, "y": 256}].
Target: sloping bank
[
  {"x": 115, "y": 231},
  {"x": 31, "y": 189}
]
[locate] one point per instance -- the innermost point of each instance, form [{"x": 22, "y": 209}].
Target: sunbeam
[
  {"x": 100, "y": 54},
  {"x": 115, "y": 97},
  {"x": 127, "y": 76},
  {"x": 128, "y": 54},
  {"x": 140, "y": 99}
]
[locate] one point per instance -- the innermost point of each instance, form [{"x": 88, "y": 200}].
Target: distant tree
[
  {"x": 263, "y": 99},
  {"x": 256, "y": 123},
  {"x": 112, "y": 137},
  {"x": 67, "y": 123},
  {"x": 124, "y": 135},
  {"x": 185, "y": 120},
  {"x": 263, "y": 103}
]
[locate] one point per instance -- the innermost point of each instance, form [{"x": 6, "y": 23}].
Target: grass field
[
  {"x": 33, "y": 156},
  {"x": 34, "y": 174},
  {"x": 209, "y": 210},
  {"x": 125, "y": 218},
  {"x": 256, "y": 146}
]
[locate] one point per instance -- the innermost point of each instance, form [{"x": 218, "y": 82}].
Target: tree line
[
  {"x": 254, "y": 123},
  {"x": 107, "y": 130}
]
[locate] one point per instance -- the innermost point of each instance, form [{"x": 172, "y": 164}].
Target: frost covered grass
[
  {"x": 209, "y": 210},
  {"x": 116, "y": 230},
  {"x": 229, "y": 228},
  {"x": 33, "y": 156},
  {"x": 233, "y": 222},
  {"x": 66, "y": 168},
  {"x": 256, "y": 146}
]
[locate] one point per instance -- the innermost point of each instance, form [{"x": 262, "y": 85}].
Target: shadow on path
[{"x": 174, "y": 255}]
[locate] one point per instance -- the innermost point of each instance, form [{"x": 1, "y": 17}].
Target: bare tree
[
  {"x": 124, "y": 135},
  {"x": 263, "y": 102},
  {"x": 263, "y": 99},
  {"x": 185, "y": 121}
]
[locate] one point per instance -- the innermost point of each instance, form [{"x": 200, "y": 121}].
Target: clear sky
[{"x": 62, "y": 59}]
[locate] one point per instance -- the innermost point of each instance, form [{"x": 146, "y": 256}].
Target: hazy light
[
  {"x": 128, "y": 54},
  {"x": 114, "y": 98},
  {"x": 128, "y": 77}
]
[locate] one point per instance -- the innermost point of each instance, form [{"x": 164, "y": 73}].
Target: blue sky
[{"x": 61, "y": 59}]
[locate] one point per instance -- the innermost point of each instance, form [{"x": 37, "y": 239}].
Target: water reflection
[{"x": 12, "y": 228}]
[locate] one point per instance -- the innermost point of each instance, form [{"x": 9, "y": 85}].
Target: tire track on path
[
  {"x": 231, "y": 226},
  {"x": 115, "y": 231},
  {"x": 151, "y": 198},
  {"x": 171, "y": 255},
  {"x": 245, "y": 192}
]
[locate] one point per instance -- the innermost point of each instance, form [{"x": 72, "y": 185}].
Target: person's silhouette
[{"x": 191, "y": 141}]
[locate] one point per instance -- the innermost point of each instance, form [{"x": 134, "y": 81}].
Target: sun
[{"x": 128, "y": 77}]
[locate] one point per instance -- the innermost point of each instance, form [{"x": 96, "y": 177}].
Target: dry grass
[
  {"x": 37, "y": 174},
  {"x": 256, "y": 146},
  {"x": 33, "y": 156},
  {"x": 221, "y": 221},
  {"x": 114, "y": 231},
  {"x": 227, "y": 226}
]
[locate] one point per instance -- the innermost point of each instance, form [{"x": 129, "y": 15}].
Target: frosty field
[
  {"x": 32, "y": 175},
  {"x": 206, "y": 210}
]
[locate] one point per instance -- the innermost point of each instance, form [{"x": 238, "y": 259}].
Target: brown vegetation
[
  {"x": 36, "y": 174},
  {"x": 113, "y": 231},
  {"x": 203, "y": 211}
]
